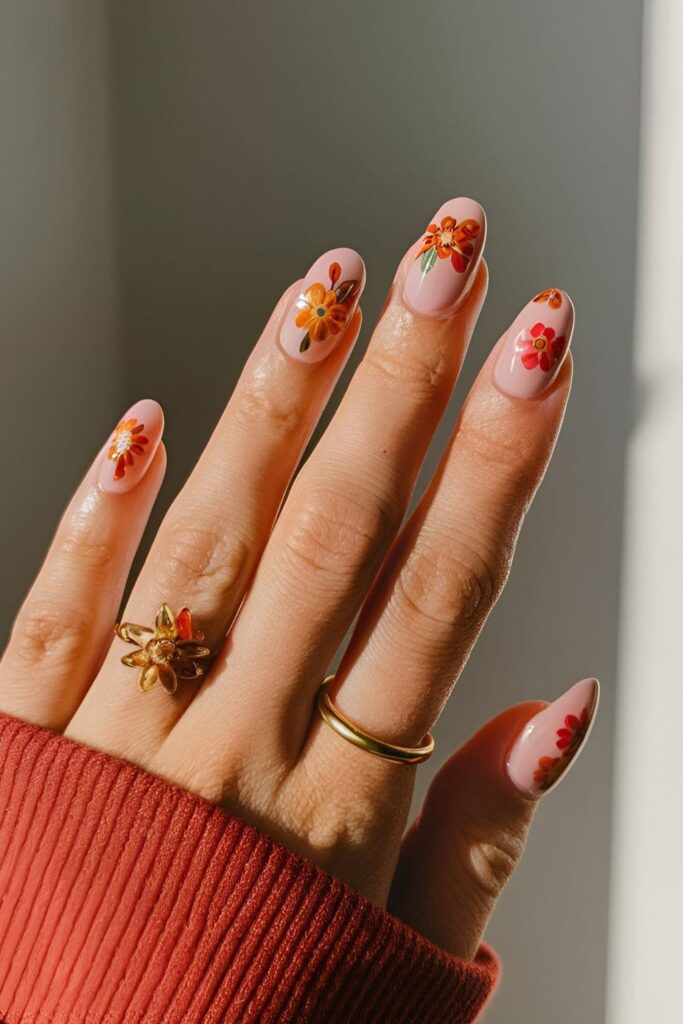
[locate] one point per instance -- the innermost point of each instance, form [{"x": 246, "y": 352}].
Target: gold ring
[
  {"x": 354, "y": 734},
  {"x": 166, "y": 653}
]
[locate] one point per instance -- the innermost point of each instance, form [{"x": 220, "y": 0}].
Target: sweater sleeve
[{"x": 126, "y": 900}]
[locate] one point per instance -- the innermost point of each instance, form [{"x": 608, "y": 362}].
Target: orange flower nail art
[
  {"x": 553, "y": 296},
  {"x": 324, "y": 306},
  {"x": 446, "y": 258},
  {"x": 131, "y": 447},
  {"x": 127, "y": 441},
  {"x": 325, "y": 310},
  {"x": 449, "y": 240}
]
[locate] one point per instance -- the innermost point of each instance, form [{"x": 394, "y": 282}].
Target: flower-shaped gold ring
[{"x": 169, "y": 652}]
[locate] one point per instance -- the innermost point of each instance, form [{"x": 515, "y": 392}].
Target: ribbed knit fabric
[{"x": 129, "y": 901}]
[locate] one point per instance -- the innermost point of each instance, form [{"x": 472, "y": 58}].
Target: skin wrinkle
[{"x": 264, "y": 406}]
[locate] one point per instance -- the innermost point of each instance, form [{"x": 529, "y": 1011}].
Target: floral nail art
[
  {"x": 532, "y": 350},
  {"x": 131, "y": 447},
  {"x": 553, "y": 296},
  {"x": 570, "y": 736},
  {"x": 324, "y": 309},
  {"x": 540, "y": 346},
  {"x": 551, "y": 740},
  {"x": 449, "y": 240},
  {"x": 446, "y": 258},
  {"x": 320, "y": 314},
  {"x": 128, "y": 441}
]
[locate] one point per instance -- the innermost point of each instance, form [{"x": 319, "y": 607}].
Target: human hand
[{"x": 284, "y": 581}]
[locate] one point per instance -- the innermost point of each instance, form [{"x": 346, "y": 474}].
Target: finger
[
  {"x": 460, "y": 853},
  {"x": 449, "y": 565},
  {"x": 65, "y": 624},
  {"x": 347, "y": 502},
  {"x": 213, "y": 535}
]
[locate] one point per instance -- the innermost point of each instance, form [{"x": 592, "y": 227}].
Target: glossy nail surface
[
  {"x": 535, "y": 345},
  {"x": 446, "y": 258},
  {"x": 131, "y": 447},
  {"x": 327, "y": 300},
  {"x": 551, "y": 740}
]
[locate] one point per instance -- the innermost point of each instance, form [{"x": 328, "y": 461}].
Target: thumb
[{"x": 462, "y": 849}]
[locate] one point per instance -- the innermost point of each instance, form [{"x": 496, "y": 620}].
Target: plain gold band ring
[{"x": 354, "y": 734}]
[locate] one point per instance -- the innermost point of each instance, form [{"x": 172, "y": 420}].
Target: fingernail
[
  {"x": 446, "y": 258},
  {"x": 551, "y": 740},
  {"x": 329, "y": 295},
  {"x": 131, "y": 447},
  {"x": 535, "y": 345}
]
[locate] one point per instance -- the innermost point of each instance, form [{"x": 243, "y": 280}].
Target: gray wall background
[{"x": 168, "y": 167}]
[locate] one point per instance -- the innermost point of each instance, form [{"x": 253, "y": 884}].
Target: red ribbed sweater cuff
[{"x": 124, "y": 899}]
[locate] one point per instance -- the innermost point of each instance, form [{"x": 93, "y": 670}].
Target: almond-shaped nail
[
  {"x": 446, "y": 258},
  {"x": 551, "y": 740},
  {"x": 131, "y": 447},
  {"x": 535, "y": 345},
  {"x": 316, "y": 322}
]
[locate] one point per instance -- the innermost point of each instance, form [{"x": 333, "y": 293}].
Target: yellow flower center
[
  {"x": 446, "y": 238},
  {"x": 122, "y": 443},
  {"x": 161, "y": 651},
  {"x": 540, "y": 342}
]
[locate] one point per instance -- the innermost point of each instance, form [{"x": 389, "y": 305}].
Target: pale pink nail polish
[
  {"x": 327, "y": 300},
  {"x": 535, "y": 345},
  {"x": 551, "y": 740},
  {"x": 131, "y": 447},
  {"x": 446, "y": 258}
]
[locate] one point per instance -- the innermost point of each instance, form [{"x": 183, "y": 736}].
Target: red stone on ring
[{"x": 183, "y": 623}]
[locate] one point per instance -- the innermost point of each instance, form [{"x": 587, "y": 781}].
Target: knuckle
[
  {"x": 204, "y": 552},
  {"x": 505, "y": 457},
  {"x": 90, "y": 540},
  {"x": 46, "y": 631},
  {"x": 490, "y": 863},
  {"x": 479, "y": 580},
  {"x": 340, "y": 827},
  {"x": 259, "y": 403},
  {"x": 444, "y": 586},
  {"x": 400, "y": 365},
  {"x": 425, "y": 586},
  {"x": 326, "y": 826},
  {"x": 335, "y": 533}
]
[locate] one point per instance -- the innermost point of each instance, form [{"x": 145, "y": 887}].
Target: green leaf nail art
[{"x": 428, "y": 260}]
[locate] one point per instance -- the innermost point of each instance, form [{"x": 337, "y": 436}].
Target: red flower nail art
[
  {"x": 572, "y": 732},
  {"x": 128, "y": 440},
  {"x": 570, "y": 736},
  {"x": 551, "y": 740},
  {"x": 539, "y": 346}
]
